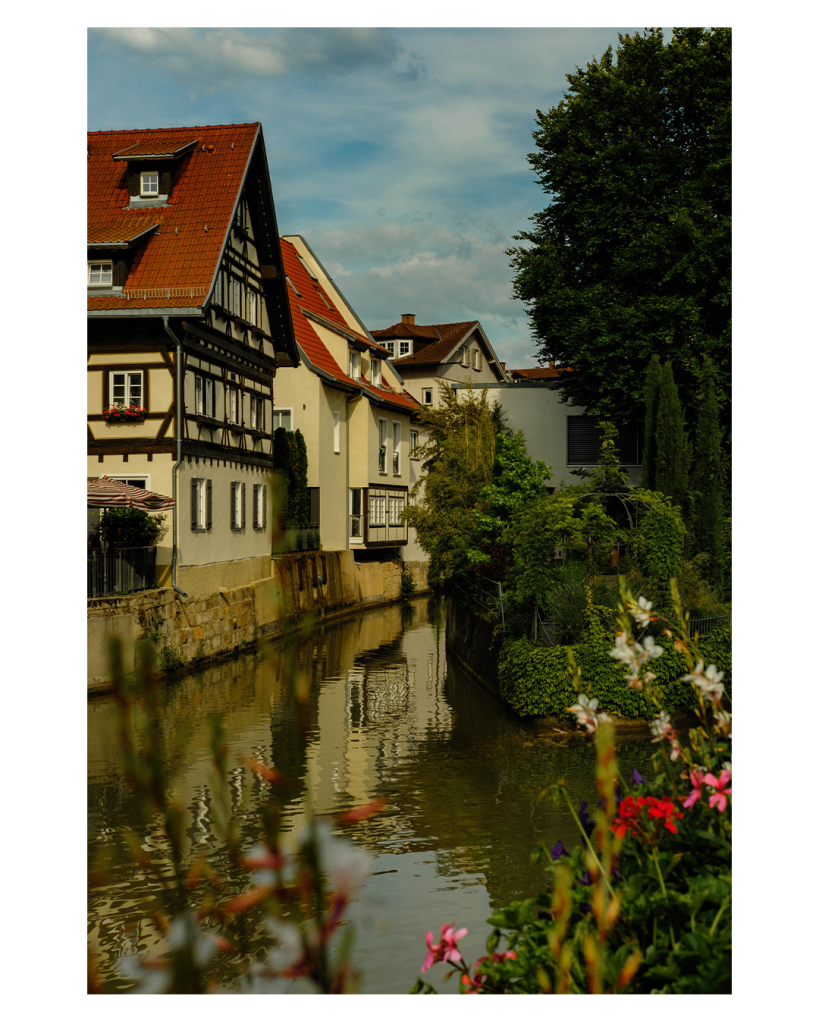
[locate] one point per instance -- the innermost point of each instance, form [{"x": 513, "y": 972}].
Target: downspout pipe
[{"x": 178, "y": 422}]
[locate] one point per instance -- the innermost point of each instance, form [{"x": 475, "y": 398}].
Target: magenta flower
[
  {"x": 718, "y": 797},
  {"x": 446, "y": 949},
  {"x": 697, "y": 779}
]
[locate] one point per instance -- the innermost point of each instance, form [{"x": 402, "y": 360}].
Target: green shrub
[{"x": 537, "y": 681}]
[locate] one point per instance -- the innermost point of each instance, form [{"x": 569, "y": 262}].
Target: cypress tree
[
  {"x": 672, "y": 451},
  {"x": 652, "y": 390},
  {"x": 281, "y": 466},
  {"x": 298, "y": 500},
  {"x": 708, "y": 514}
]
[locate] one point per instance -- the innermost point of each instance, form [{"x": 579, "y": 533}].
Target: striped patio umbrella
[{"x": 107, "y": 493}]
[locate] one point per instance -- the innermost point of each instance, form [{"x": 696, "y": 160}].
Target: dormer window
[
  {"x": 375, "y": 372},
  {"x": 101, "y": 274},
  {"x": 404, "y": 348},
  {"x": 389, "y": 346},
  {"x": 149, "y": 184},
  {"x": 355, "y": 365}
]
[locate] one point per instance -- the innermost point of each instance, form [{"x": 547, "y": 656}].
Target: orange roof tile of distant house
[
  {"x": 446, "y": 337},
  {"x": 538, "y": 373}
]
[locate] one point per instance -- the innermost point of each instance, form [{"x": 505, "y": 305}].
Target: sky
[{"x": 399, "y": 154}]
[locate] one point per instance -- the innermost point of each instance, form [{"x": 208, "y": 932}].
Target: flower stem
[
  {"x": 715, "y": 922},
  {"x": 586, "y": 838}
]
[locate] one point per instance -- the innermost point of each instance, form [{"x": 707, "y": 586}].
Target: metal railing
[
  {"x": 396, "y": 463},
  {"x": 489, "y": 598},
  {"x": 356, "y": 523},
  {"x": 545, "y": 632},
  {"x": 704, "y": 624},
  {"x": 382, "y": 462},
  {"x": 120, "y": 571}
]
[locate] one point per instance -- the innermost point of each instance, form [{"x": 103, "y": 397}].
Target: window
[
  {"x": 217, "y": 290},
  {"x": 426, "y": 396},
  {"x": 378, "y": 510},
  {"x": 476, "y": 360},
  {"x": 382, "y": 446},
  {"x": 256, "y": 412},
  {"x": 464, "y": 357},
  {"x": 101, "y": 275},
  {"x": 584, "y": 437},
  {"x": 389, "y": 346},
  {"x": 204, "y": 396},
  {"x": 236, "y": 296},
  {"x": 375, "y": 372},
  {"x": 250, "y": 315},
  {"x": 396, "y": 505},
  {"x": 356, "y": 532},
  {"x": 232, "y": 404},
  {"x": 133, "y": 481},
  {"x": 149, "y": 183},
  {"x": 237, "y": 505},
  {"x": 283, "y": 418},
  {"x": 396, "y": 448},
  {"x": 201, "y": 504},
  {"x": 259, "y": 506},
  {"x": 404, "y": 348},
  {"x": 336, "y": 432},
  {"x": 126, "y": 388},
  {"x": 413, "y": 444},
  {"x": 355, "y": 365}
]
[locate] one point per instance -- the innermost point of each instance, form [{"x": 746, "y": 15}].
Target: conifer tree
[
  {"x": 281, "y": 466},
  {"x": 652, "y": 390},
  {"x": 672, "y": 450},
  {"x": 707, "y": 479},
  {"x": 298, "y": 498}
]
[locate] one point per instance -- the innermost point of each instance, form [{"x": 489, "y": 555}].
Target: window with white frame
[
  {"x": 396, "y": 447},
  {"x": 378, "y": 510},
  {"x": 134, "y": 481},
  {"x": 236, "y": 296},
  {"x": 259, "y": 507},
  {"x": 476, "y": 359},
  {"x": 375, "y": 372},
  {"x": 100, "y": 274},
  {"x": 426, "y": 396},
  {"x": 404, "y": 348},
  {"x": 250, "y": 313},
  {"x": 232, "y": 404},
  {"x": 464, "y": 356},
  {"x": 355, "y": 365},
  {"x": 256, "y": 412},
  {"x": 204, "y": 396},
  {"x": 237, "y": 505},
  {"x": 413, "y": 444},
  {"x": 283, "y": 418},
  {"x": 389, "y": 346},
  {"x": 396, "y": 507},
  {"x": 149, "y": 183},
  {"x": 336, "y": 431},
  {"x": 201, "y": 504},
  {"x": 217, "y": 290},
  {"x": 125, "y": 388}
]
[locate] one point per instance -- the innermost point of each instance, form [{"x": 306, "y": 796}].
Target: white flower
[
  {"x": 586, "y": 712},
  {"x": 652, "y": 650},
  {"x": 707, "y": 682},
  {"x": 723, "y": 720},
  {"x": 345, "y": 864},
  {"x": 661, "y": 727},
  {"x": 623, "y": 650},
  {"x": 727, "y": 767},
  {"x": 641, "y": 612},
  {"x": 289, "y": 949}
]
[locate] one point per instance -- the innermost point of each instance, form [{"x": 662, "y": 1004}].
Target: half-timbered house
[{"x": 188, "y": 324}]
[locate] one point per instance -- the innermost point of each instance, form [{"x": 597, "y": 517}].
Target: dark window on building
[{"x": 585, "y": 436}]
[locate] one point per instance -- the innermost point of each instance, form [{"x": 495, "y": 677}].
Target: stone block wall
[{"x": 202, "y": 627}]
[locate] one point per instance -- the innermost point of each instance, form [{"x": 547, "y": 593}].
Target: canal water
[{"x": 389, "y": 716}]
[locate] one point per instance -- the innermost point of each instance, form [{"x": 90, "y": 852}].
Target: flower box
[{"x": 124, "y": 414}]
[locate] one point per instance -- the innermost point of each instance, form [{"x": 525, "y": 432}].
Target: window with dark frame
[{"x": 237, "y": 505}]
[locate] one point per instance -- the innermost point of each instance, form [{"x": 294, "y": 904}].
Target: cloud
[{"x": 212, "y": 58}]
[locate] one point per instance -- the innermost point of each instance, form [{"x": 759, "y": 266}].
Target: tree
[
  {"x": 298, "y": 497},
  {"x": 652, "y": 391},
  {"x": 672, "y": 452},
  {"x": 632, "y": 256},
  {"x": 707, "y": 478}
]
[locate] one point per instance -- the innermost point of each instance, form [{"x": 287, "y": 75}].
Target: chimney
[{"x": 407, "y": 318}]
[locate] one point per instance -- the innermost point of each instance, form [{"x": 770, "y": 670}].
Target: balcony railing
[
  {"x": 356, "y": 526},
  {"x": 396, "y": 463},
  {"x": 382, "y": 462},
  {"x": 121, "y": 571}
]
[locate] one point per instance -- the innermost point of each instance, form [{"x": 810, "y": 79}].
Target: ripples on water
[{"x": 389, "y": 717}]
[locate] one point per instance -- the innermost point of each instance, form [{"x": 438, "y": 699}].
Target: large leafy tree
[{"x": 631, "y": 258}]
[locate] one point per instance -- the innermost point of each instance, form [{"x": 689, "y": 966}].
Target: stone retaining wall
[{"x": 201, "y": 628}]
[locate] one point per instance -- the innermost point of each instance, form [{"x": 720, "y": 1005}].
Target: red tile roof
[
  {"x": 175, "y": 267},
  {"x": 538, "y": 373},
  {"x": 446, "y": 338},
  {"x": 309, "y": 301}
]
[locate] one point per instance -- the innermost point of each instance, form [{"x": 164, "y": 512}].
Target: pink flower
[
  {"x": 446, "y": 949},
  {"x": 718, "y": 797},
  {"x": 697, "y": 781}
]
